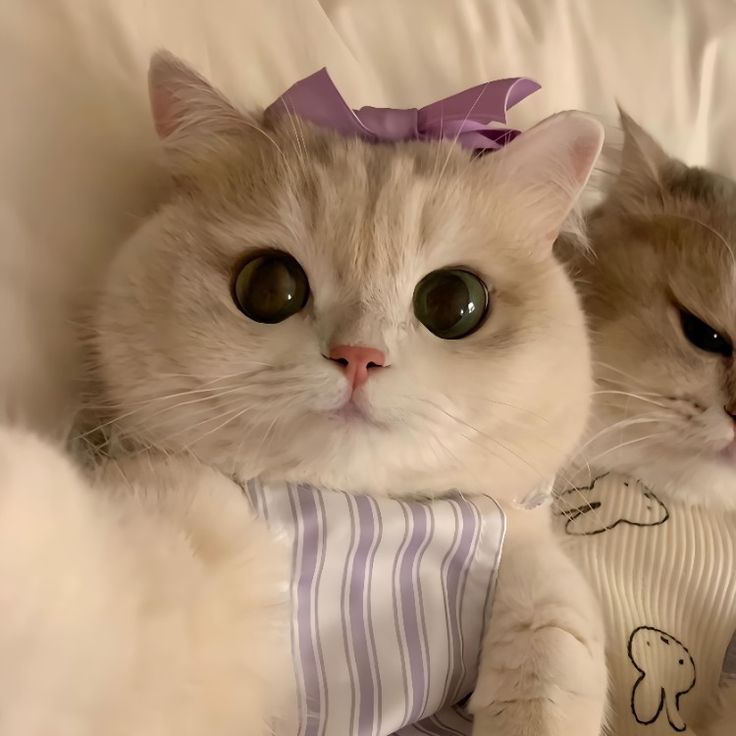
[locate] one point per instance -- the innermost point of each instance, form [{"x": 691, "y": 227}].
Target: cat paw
[
  {"x": 552, "y": 716},
  {"x": 43, "y": 497},
  {"x": 206, "y": 505},
  {"x": 61, "y": 638},
  {"x": 25, "y": 457},
  {"x": 542, "y": 671}
]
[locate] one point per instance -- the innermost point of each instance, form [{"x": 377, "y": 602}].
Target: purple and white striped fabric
[{"x": 390, "y": 601}]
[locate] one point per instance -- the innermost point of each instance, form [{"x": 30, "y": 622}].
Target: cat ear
[
  {"x": 185, "y": 107},
  {"x": 546, "y": 168},
  {"x": 642, "y": 161}
]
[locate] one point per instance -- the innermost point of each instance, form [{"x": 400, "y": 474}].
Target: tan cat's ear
[
  {"x": 642, "y": 161},
  {"x": 546, "y": 168},
  {"x": 185, "y": 107}
]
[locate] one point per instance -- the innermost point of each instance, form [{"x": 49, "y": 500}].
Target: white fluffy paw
[
  {"x": 57, "y": 659},
  {"x": 46, "y": 510},
  {"x": 147, "y": 601},
  {"x": 557, "y": 715},
  {"x": 547, "y": 683},
  {"x": 542, "y": 672}
]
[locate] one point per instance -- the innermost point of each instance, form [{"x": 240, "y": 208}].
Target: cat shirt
[
  {"x": 390, "y": 601},
  {"x": 665, "y": 574}
]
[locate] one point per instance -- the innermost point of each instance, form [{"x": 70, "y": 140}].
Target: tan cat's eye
[
  {"x": 703, "y": 336},
  {"x": 271, "y": 287}
]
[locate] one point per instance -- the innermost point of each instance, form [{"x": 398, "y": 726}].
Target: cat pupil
[
  {"x": 451, "y": 303},
  {"x": 271, "y": 287},
  {"x": 703, "y": 336},
  {"x": 447, "y": 302}
]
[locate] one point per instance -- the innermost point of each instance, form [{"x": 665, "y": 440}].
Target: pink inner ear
[
  {"x": 165, "y": 108},
  {"x": 584, "y": 151}
]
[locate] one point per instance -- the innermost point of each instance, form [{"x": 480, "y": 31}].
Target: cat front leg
[
  {"x": 146, "y": 600},
  {"x": 65, "y": 618},
  {"x": 542, "y": 669},
  {"x": 221, "y": 579}
]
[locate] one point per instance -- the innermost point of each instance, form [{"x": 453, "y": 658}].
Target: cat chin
[
  {"x": 365, "y": 459},
  {"x": 409, "y": 480},
  {"x": 383, "y": 450},
  {"x": 694, "y": 481}
]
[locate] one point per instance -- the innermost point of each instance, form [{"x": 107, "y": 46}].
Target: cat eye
[
  {"x": 271, "y": 287},
  {"x": 703, "y": 336},
  {"x": 451, "y": 303}
]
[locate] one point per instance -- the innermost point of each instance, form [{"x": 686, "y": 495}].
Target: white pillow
[{"x": 77, "y": 150}]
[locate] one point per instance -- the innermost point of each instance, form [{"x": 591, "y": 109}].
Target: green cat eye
[
  {"x": 451, "y": 303},
  {"x": 271, "y": 287}
]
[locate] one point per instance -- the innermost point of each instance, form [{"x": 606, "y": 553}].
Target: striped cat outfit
[{"x": 390, "y": 601}]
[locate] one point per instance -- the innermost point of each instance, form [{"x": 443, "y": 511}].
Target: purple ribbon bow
[{"x": 463, "y": 117}]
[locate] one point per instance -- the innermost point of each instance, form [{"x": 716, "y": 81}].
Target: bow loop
[
  {"x": 390, "y": 125},
  {"x": 463, "y": 117}
]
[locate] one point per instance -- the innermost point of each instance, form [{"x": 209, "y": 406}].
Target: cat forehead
[
  {"x": 679, "y": 253},
  {"x": 700, "y": 267},
  {"x": 362, "y": 207},
  {"x": 301, "y": 142},
  {"x": 324, "y": 169}
]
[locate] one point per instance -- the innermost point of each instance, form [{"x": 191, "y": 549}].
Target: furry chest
[
  {"x": 664, "y": 573},
  {"x": 390, "y": 599}
]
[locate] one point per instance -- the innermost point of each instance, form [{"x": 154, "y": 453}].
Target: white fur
[
  {"x": 144, "y": 605},
  {"x": 541, "y": 672},
  {"x": 176, "y": 367}
]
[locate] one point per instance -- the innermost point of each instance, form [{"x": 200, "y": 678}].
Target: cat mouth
[{"x": 351, "y": 412}]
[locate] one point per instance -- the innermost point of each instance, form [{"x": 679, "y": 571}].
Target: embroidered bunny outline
[
  {"x": 597, "y": 514},
  {"x": 656, "y": 692}
]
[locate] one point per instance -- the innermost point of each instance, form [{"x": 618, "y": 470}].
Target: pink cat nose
[{"x": 356, "y": 362}]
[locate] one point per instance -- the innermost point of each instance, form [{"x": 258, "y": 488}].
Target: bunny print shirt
[
  {"x": 665, "y": 574},
  {"x": 390, "y": 599}
]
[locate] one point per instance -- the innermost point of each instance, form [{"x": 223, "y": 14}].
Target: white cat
[{"x": 388, "y": 319}]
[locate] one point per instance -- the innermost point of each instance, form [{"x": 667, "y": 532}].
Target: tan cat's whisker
[{"x": 626, "y": 444}]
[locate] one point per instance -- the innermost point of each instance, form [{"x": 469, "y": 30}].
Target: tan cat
[{"x": 651, "y": 518}]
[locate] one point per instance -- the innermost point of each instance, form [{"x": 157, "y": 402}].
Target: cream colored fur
[
  {"x": 178, "y": 373},
  {"x": 663, "y": 238},
  {"x": 545, "y": 642},
  {"x": 145, "y": 601}
]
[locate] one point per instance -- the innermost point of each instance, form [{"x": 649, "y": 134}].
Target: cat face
[
  {"x": 382, "y": 317},
  {"x": 661, "y": 298}
]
